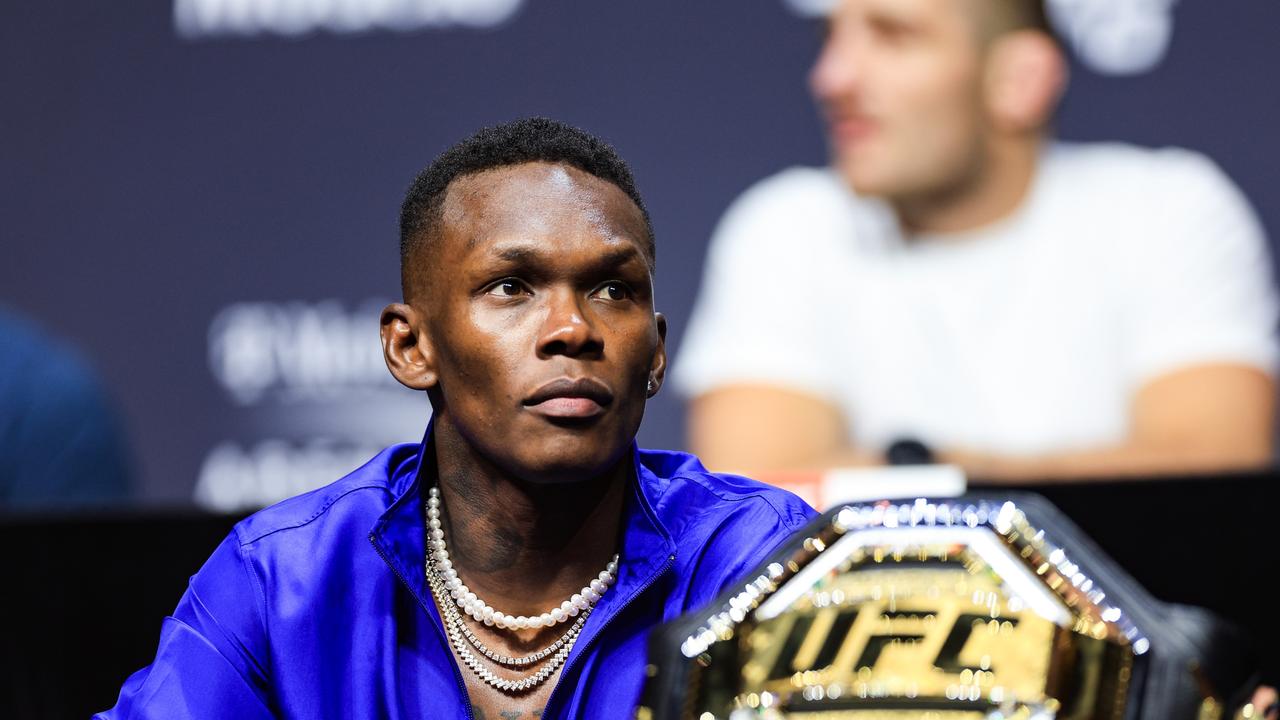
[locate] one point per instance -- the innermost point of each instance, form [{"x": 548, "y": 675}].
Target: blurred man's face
[{"x": 899, "y": 82}]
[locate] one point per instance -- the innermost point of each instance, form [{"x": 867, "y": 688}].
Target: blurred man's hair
[{"x": 998, "y": 17}]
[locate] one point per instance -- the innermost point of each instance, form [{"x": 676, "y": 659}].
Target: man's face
[
  {"x": 899, "y": 82},
  {"x": 539, "y": 307}
]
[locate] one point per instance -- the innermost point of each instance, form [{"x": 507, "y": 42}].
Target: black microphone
[{"x": 908, "y": 451}]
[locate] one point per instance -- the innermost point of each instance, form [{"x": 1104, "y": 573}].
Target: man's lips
[
  {"x": 570, "y": 398},
  {"x": 851, "y": 129}
]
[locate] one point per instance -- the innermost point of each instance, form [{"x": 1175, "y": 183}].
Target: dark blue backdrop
[{"x": 212, "y": 219}]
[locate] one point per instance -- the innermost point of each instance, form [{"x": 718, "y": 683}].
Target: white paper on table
[{"x": 891, "y": 482}]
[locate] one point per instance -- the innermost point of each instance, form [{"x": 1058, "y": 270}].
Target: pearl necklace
[
  {"x": 482, "y": 611},
  {"x": 458, "y": 630}
]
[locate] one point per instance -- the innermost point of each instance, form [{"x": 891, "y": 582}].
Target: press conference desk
[{"x": 83, "y": 595}]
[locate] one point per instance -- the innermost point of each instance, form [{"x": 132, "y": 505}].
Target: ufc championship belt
[{"x": 976, "y": 608}]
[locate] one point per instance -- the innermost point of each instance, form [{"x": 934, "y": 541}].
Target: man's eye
[
  {"x": 506, "y": 288},
  {"x": 892, "y": 30},
  {"x": 613, "y": 291}
]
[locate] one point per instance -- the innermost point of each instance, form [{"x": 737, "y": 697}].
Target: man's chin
[
  {"x": 862, "y": 177},
  {"x": 566, "y": 471},
  {"x": 569, "y": 462}
]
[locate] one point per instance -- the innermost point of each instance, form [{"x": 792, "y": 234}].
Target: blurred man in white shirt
[{"x": 957, "y": 279}]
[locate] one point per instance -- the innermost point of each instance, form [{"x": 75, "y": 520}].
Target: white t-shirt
[{"x": 1026, "y": 336}]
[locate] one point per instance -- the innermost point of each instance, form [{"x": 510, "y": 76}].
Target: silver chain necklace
[
  {"x": 458, "y": 637},
  {"x": 569, "y": 636}
]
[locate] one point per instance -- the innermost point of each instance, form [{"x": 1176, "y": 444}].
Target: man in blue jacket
[{"x": 511, "y": 564}]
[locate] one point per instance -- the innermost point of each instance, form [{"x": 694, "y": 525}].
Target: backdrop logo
[
  {"x": 1119, "y": 37},
  {"x": 211, "y": 18},
  {"x": 235, "y": 477},
  {"x": 297, "y": 350},
  {"x": 1115, "y": 37},
  {"x": 310, "y": 398}
]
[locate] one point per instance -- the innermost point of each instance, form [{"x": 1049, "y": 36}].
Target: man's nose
[
  {"x": 838, "y": 70},
  {"x": 569, "y": 328}
]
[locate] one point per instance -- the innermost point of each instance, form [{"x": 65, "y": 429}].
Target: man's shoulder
[
  {"x": 1117, "y": 164},
  {"x": 789, "y": 220},
  {"x": 797, "y": 181},
  {"x": 359, "y": 498},
  {"x": 795, "y": 193},
  {"x": 1147, "y": 197},
  {"x": 688, "y": 491}
]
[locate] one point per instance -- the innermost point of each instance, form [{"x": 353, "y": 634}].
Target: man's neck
[
  {"x": 994, "y": 191},
  {"x": 525, "y": 547}
]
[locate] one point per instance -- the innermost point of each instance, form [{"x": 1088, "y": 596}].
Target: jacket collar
[
  {"x": 400, "y": 532},
  {"x": 647, "y": 547}
]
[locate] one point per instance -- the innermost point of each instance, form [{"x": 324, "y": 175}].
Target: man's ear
[
  {"x": 406, "y": 347},
  {"x": 1026, "y": 76},
  {"x": 658, "y": 367}
]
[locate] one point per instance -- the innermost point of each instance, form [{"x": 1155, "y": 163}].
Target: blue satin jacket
[{"x": 318, "y": 607}]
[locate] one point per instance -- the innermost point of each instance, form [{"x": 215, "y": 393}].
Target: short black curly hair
[{"x": 535, "y": 139}]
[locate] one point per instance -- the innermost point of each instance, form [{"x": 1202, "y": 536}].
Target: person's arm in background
[
  {"x": 758, "y": 430},
  {"x": 1208, "y": 418}
]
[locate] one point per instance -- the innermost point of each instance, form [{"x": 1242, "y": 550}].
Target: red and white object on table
[{"x": 824, "y": 489}]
